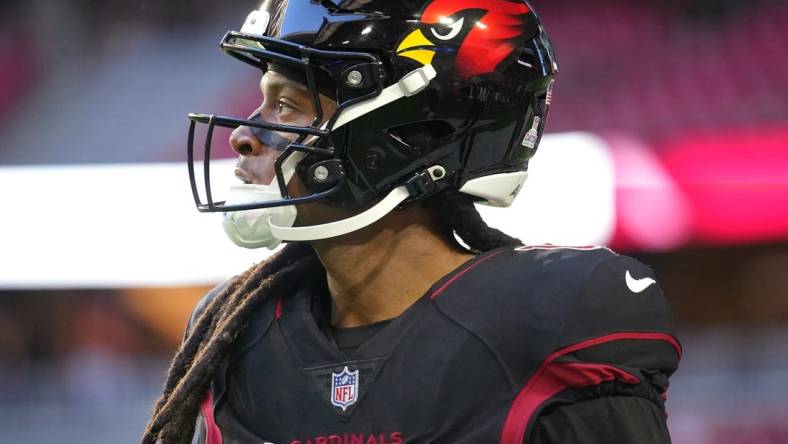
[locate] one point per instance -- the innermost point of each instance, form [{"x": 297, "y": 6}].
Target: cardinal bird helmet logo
[{"x": 480, "y": 34}]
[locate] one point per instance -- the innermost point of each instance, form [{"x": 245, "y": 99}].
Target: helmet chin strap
[{"x": 344, "y": 226}]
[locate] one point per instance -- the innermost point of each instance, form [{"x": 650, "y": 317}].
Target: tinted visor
[{"x": 268, "y": 137}]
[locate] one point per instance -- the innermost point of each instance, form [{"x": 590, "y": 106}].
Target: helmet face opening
[
  {"x": 318, "y": 71},
  {"x": 419, "y": 85}
]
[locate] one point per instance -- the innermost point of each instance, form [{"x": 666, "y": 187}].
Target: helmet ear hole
[{"x": 419, "y": 134}]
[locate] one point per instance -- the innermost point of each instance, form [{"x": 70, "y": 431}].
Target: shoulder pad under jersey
[{"x": 529, "y": 303}]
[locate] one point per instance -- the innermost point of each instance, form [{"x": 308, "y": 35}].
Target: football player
[{"x": 394, "y": 314}]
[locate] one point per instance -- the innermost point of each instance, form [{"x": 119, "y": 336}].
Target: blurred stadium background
[{"x": 669, "y": 142}]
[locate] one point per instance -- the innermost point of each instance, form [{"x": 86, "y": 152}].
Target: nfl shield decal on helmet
[{"x": 344, "y": 388}]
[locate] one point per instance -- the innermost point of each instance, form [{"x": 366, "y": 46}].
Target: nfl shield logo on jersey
[{"x": 344, "y": 388}]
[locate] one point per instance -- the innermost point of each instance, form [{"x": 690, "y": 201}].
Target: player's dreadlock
[
  {"x": 224, "y": 319},
  {"x": 460, "y": 215}
]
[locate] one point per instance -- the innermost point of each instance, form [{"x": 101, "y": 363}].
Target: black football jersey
[{"x": 517, "y": 345}]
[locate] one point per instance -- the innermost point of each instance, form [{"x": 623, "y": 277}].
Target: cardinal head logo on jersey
[
  {"x": 344, "y": 388},
  {"x": 477, "y": 34}
]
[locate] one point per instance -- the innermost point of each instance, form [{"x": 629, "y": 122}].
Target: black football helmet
[{"x": 431, "y": 94}]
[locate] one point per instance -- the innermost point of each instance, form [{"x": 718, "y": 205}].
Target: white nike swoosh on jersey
[{"x": 638, "y": 285}]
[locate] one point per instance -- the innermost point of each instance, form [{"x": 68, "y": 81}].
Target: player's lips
[
  {"x": 417, "y": 47},
  {"x": 257, "y": 170},
  {"x": 243, "y": 176}
]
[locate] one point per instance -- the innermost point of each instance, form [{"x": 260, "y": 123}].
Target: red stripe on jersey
[
  {"x": 279, "y": 309},
  {"x": 478, "y": 262},
  {"x": 561, "y": 247},
  {"x": 212, "y": 433},
  {"x": 552, "y": 378}
]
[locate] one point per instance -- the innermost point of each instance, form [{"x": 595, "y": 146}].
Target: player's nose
[{"x": 244, "y": 142}]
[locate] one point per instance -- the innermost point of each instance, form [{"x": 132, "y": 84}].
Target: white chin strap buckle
[{"x": 416, "y": 81}]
